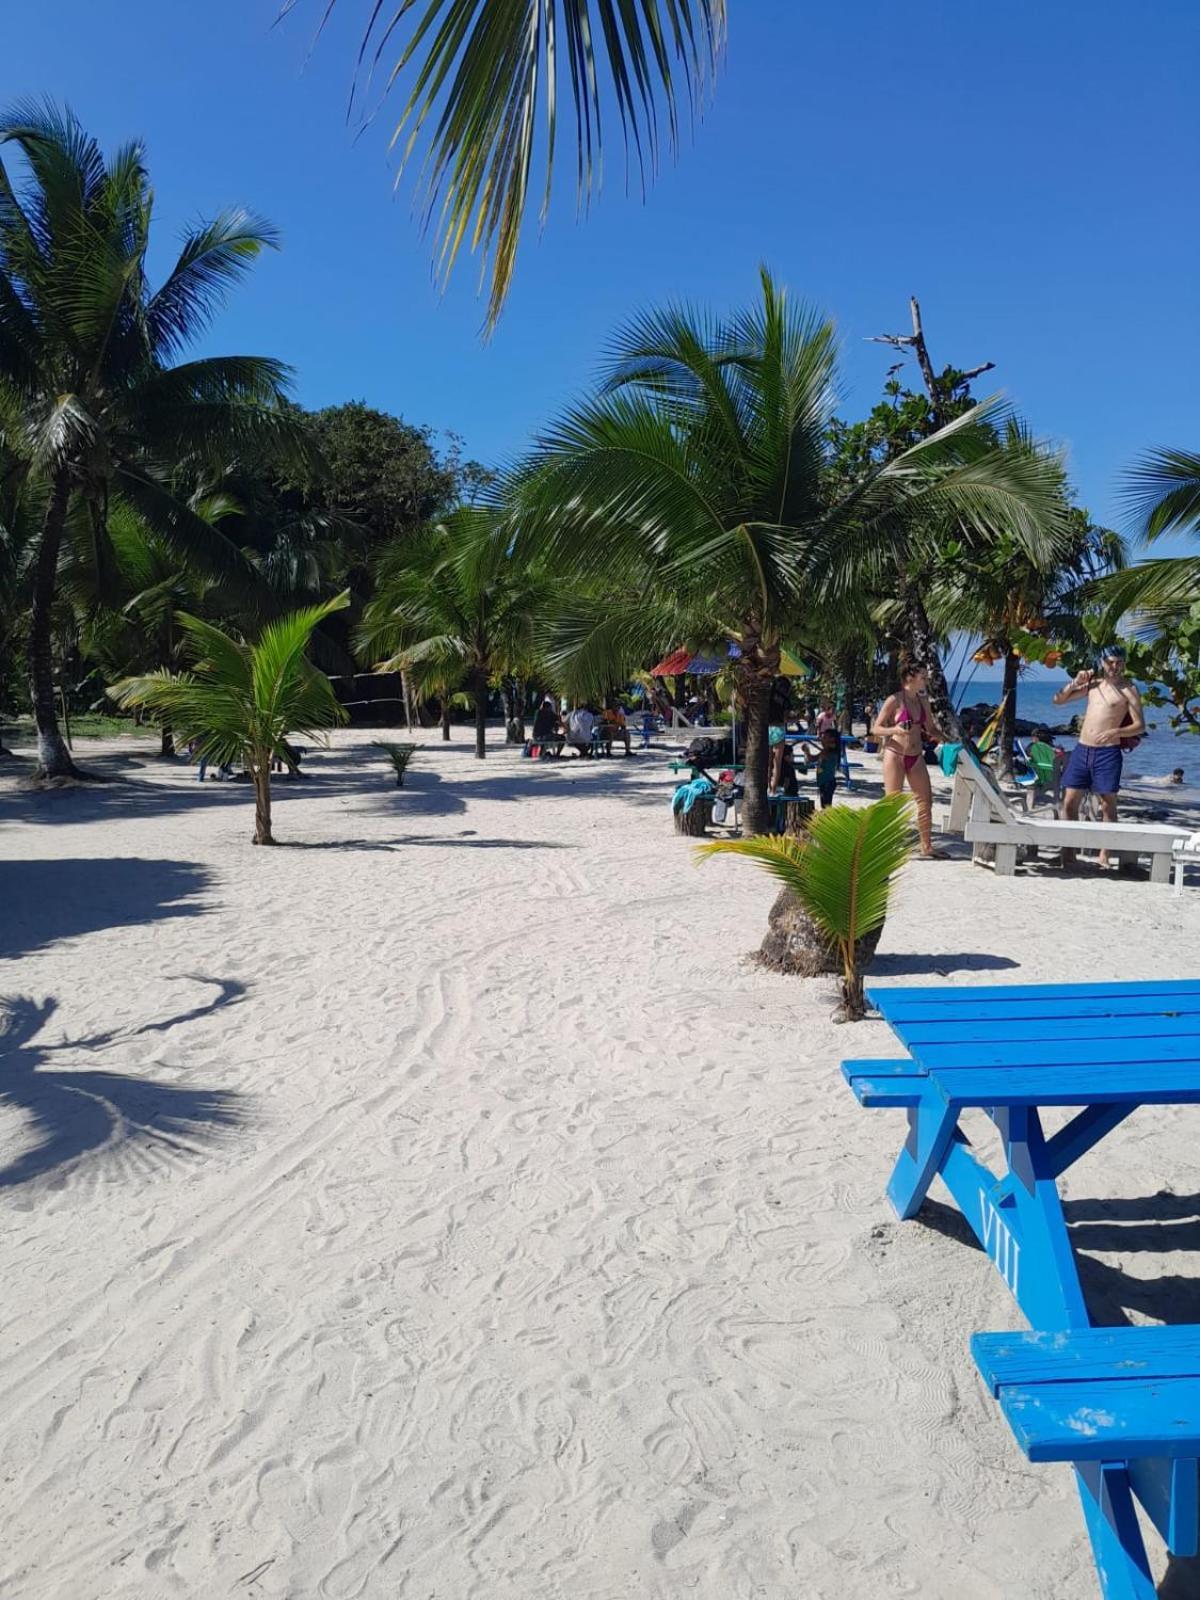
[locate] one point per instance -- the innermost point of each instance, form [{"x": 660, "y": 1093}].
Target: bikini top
[{"x": 905, "y": 719}]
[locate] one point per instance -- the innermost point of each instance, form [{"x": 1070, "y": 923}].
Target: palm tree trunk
[
  {"x": 854, "y": 1000},
  {"x": 167, "y": 747},
  {"x": 1008, "y": 717},
  {"x": 923, "y": 645},
  {"x": 756, "y": 809},
  {"x": 514, "y": 710},
  {"x": 446, "y": 718},
  {"x": 262, "y": 801},
  {"x": 54, "y": 759},
  {"x": 479, "y": 691}
]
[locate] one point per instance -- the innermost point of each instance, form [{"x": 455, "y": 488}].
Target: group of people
[
  {"x": 1113, "y": 723},
  {"x": 823, "y": 746},
  {"x": 584, "y": 729}
]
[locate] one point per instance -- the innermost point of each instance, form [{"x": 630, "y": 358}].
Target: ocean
[{"x": 1159, "y": 752}]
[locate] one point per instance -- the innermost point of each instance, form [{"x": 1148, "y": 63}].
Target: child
[{"x": 829, "y": 760}]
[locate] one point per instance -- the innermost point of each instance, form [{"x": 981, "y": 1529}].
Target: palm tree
[
  {"x": 841, "y": 874},
  {"x": 1006, "y": 591},
  {"x": 91, "y": 395},
  {"x": 486, "y": 73},
  {"x": 240, "y": 701},
  {"x": 452, "y": 608},
  {"x": 695, "y": 485},
  {"x": 19, "y": 519}
]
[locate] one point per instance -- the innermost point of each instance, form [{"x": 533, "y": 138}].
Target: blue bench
[{"x": 1122, "y": 1405}]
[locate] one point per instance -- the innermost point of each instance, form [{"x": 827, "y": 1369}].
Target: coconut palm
[
  {"x": 841, "y": 873},
  {"x": 1011, "y": 595},
  {"x": 486, "y": 73},
  {"x": 240, "y": 701},
  {"x": 452, "y": 608},
  {"x": 91, "y": 393},
  {"x": 695, "y": 486},
  {"x": 19, "y": 521}
]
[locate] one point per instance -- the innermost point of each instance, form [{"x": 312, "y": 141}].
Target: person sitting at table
[
  {"x": 581, "y": 725},
  {"x": 546, "y": 723},
  {"x": 612, "y": 728},
  {"x": 547, "y": 730}
]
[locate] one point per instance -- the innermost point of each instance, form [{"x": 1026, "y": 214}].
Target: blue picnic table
[{"x": 1121, "y": 1404}]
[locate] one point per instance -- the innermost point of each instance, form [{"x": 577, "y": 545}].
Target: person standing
[
  {"x": 826, "y": 717},
  {"x": 828, "y": 765},
  {"x": 904, "y": 726},
  {"x": 1113, "y": 722}
]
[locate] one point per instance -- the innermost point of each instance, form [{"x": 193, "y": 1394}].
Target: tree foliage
[
  {"x": 841, "y": 872},
  {"x": 484, "y": 85},
  {"x": 94, "y": 398},
  {"x": 241, "y": 699}
]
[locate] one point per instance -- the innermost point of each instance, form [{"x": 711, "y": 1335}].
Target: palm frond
[
  {"x": 198, "y": 541},
  {"x": 1155, "y": 589},
  {"x": 485, "y": 86},
  {"x": 214, "y": 257},
  {"x": 1162, "y": 492},
  {"x": 842, "y": 870}
]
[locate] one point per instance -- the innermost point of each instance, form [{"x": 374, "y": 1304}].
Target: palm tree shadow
[{"x": 74, "y": 1114}]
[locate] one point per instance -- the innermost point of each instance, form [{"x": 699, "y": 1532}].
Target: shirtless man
[{"x": 1114, "y": 714}]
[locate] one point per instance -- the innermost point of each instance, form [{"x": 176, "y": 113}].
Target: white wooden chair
[
  {"x": 1187, "y": 853},
  {"x": 981, "y": 812}
]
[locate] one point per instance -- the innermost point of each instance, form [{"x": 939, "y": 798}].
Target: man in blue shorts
[{"x": 1112, "y": 723}]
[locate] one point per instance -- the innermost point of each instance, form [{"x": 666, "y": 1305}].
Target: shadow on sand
[
  {"x": 46, "y": 900},
  {"x": 1155, "y": 1222},
  {"x": 903, "y": 964},
  {"x": 74, "y": 1112}
]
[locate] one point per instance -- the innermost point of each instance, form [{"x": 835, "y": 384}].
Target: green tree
[
  {"x": 240, "y": 700},
  {"x": 453, "y": 609},
  {"x": 1168, "y": 665},
  {"x": 382, "y": 475},
  {"x": 486, "y": 80},
  {"x": 696, "y": 485},
  {"x": 90, "y": 392},
  {"x": 19, "y": 521},
  {"x": 1009, "y": 594},
  {"x": 903, "y": 418}
]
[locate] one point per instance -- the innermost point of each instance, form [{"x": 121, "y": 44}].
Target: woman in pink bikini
[{"x": 903, "y": 727}]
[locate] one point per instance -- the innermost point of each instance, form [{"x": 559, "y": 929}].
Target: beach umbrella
[{"x": 686, "y": 660}]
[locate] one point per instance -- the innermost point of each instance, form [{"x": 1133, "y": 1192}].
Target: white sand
[{"x": 541, "y": 1252}]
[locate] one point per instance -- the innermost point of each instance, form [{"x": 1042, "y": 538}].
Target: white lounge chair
[
  {"x": 980, "y": 810},
  {"x": 1187, "y": 853}
]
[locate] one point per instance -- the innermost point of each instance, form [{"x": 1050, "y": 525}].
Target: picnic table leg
[
  {"x": 931, "y": 1128},
  {"x": 1112, "y": 1525},
  {"x": 1083, "y": 1131},
  {"x": 1048, "y": 1290},
  {"x": 1018, "y": 1220}
]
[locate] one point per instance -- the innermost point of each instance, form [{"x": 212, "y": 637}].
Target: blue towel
[{"x": 687, "y": 794}]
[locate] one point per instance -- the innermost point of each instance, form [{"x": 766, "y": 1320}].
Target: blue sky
[{"x": 1028, "y": 170}]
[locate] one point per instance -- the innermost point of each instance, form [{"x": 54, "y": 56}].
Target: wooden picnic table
[{"x": 1122, "y": 1405}]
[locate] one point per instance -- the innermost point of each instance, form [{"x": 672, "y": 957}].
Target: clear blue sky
[{"x": 1028, "y": 170}]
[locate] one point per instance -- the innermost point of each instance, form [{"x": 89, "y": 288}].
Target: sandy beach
[{"x": 444, "y": 1207}]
